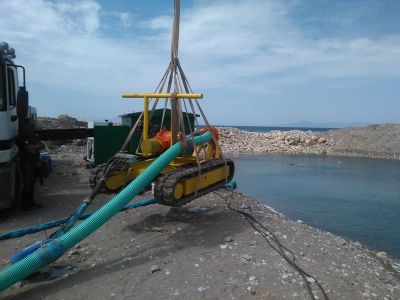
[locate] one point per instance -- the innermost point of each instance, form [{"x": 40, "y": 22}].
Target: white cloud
[
  {"x": 126, "y": 19},
  {"x": 60, "y": 44},
  {"x": 243, "y": 41},
  {"x": 80, "y": 15},
  {"x": 252, "y": 45}
]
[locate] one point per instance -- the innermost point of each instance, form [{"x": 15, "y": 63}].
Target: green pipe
[{"x": 50, "y": 252}]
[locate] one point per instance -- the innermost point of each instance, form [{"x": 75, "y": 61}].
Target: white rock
[
  {"x": 245, "y": 257},
  {"x": 382, "y": 255},
  {"x": 310, "y": 279},
  {"x": 155, "y": 268},
  {"x": 228, "y": 239},
  {"x": 252, "y": 243}
]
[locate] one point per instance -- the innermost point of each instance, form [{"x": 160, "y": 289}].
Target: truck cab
[{"x": 13, "y": 112}]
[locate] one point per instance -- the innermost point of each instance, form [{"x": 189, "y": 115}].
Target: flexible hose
[
  {"x": 53, "y": 250},
  {"x": 30, "y": 249},
  {"x": 48, "y": 225}
]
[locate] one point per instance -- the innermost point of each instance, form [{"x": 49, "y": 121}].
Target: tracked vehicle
[{"x": 200, "y": 170}]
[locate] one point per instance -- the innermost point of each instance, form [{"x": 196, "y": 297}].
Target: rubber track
[
  {"x": 165, "y": 184},
  {"x": 95, "y": 175}
]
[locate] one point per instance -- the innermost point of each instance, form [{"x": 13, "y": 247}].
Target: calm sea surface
[
  {"x": 269, "y": 128},
  {"x": 352, "y": 197}
]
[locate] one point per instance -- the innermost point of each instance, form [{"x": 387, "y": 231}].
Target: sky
[{"x": 257, "y": 62}]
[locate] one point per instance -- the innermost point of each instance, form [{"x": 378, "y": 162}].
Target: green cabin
[{"x": 108, "y": 139}]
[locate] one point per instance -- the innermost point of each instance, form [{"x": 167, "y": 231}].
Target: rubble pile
[
  {"x": 61, "y": 122},
  {"x": 374, "y": 141},
  {"x": 236, "y": 141}
]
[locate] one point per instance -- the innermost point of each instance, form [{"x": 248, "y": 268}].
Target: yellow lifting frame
[
  {"x": 163, "y": 95},
  {"x": 147, "y": 96}
]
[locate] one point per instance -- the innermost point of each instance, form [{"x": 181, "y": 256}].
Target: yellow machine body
[
  {"x": 189, "y": 186},
  {"x": 120, "y": 178},
  {"x": 184, "y": 178}
]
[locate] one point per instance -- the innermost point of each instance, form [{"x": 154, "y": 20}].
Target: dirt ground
[{"x": 200, "y": 251}]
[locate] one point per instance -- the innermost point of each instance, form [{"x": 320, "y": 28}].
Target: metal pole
[{"x": 146, "y": 118}]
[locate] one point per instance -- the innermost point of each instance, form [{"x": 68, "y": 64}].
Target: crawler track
[{"x": 165, "y": 184}]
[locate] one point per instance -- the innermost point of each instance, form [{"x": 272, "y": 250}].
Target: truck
[{"x": 14, "y": 113}]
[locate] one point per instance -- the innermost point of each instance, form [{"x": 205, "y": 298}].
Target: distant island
[{"x": 308, "y": 124}]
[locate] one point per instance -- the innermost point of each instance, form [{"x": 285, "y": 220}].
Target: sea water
[
  {"x": 356, "y": 198},
  {"x": 272, "y": 128}
]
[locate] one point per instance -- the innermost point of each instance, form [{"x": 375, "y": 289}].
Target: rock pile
[
  {"x": 62, "y": 121},
  {"x": 236, "y": 141},
  {"x": 373, "y": 141}
]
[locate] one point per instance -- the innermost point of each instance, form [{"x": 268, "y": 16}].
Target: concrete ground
[{"x": 200, "y": 251}]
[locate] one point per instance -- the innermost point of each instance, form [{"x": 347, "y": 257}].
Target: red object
[
  {"x": 214, "y": 132},
  {"x": 164, "y": 136}
]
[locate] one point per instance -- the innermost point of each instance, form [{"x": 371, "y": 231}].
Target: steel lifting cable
[
  {"x": 186, "y": 110},
  {"x": 159, "y": 87},
  {"x": 192, "y": 138},
  {"x": 168, "y": 89},
  {"x": 175, "y": 78},
  {"x": 167, "y": 77},
  {"x": 201, "y": 111},
  {"x": 189, "y": 90},
  {"x": 177, "y": 70},
  {"x": 174, "y": 57}
]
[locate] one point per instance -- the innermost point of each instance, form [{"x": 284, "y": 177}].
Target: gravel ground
[{"x": 200, "y": 251}]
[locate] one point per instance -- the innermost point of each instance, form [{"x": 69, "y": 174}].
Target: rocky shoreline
[{"x": 374, "y": 141}]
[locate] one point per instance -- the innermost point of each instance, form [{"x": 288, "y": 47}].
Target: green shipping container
[{"x": 108, "y": 140}]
